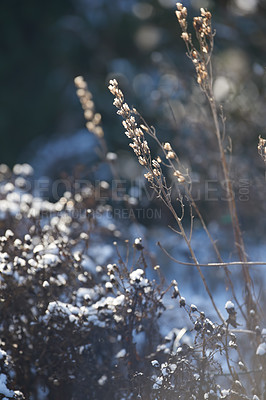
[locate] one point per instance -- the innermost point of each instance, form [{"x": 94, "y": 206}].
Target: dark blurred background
[{"x": 44, "y": 45}]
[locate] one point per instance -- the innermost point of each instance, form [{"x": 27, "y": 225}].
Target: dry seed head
[
  {"x": 98, "y": 131},
  {"x": 113, "y": 86},
  {"x": 132, "y": 120},
  {"x": 126, "y": 124},
  {"x": 133, "y": 131},
  {"x": 80, "y": 83},
  {"x": 202, "y": 25},
  {"x": 178, "y": 15},
  {"x": 142, "y": 161},
  {"x": 86, "y": 104},
  {"x": 183, "y": 24},
  {"x": 145, "y": 147},
  {"x": 201, "y": 73},
  {"x": 144, "y": 128},
  {"x": 181, "y": 179},
  {"x": 262, "y": 148},
  {"x": 88, "y": 114},
  {"x": 184, "y": 13},
  {"x": 89, "y": 126},
  {"x": 119, "y": 94},
  {"x": 181, "y": 15},
  {"x": 81, "y": 92},
  {"x": 136, "y": 149},
  {"x": 149, "y": 176},
  {"x": 197, "y": 23},
  {"x": 185, "y": 36},
  {"x": 167, "y": 146},
  {"x": 117, "y": 103},
  {"x": 126, "y": 108},
  {"x": 262, "y": 142},
  {"x": 205, "y": 13},
  {"x": 155, "y": 164},
  {"x": 97, "y": 118},
  {"x": 129, "y": 134},
  {"x": 85, "y": 97},
  {"x": 156, "y": 172},
  {"x": 182, "y": 10},
  {"x": 170, "y": 155},
  {"x": 138, "y": 132},
  {"x": 113, "y": 82}
]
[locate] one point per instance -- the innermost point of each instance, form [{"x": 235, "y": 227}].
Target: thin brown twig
[{"x": 212, "y": 264}]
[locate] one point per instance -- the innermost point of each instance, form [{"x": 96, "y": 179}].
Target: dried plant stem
[
  {"x": 232, "y": 373},
  {"x": 231, "y": 202},
  {"x": 203, "y": 363},
  {"x": 211, "y": 265},
  {"x": 151, "y": 132},
  {"x": 202, "y": 61},
  {"x": 218, "y": 254},
  {"x": 188, "y": 243},
  {"x": 155, "y": 176}
]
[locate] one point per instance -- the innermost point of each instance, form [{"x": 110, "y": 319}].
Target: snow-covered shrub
[
  {"x": 81, "y": 311},
  {"x": 6, "y": 373},
  {"x": 68, "y": 323}
]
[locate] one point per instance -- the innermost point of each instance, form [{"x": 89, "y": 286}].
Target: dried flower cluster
[
  {"x": 133, "y": 131},
  {"x": 201, "y": 59},
  {"x": 93, "y": 119},
  {"x": 203, "y": 29},
  {"x": 136, "y": 132},
  {"x": 262, "y": 148}
]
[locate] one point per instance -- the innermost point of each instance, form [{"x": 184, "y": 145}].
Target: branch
[{"x": 212, "y": 264}]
